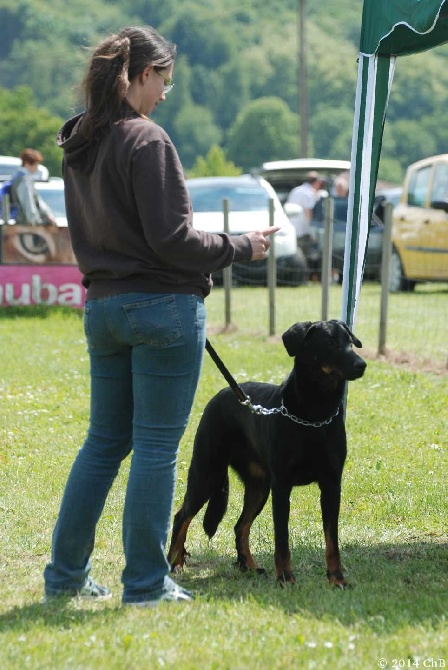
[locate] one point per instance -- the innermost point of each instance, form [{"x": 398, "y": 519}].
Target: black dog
[{"x": 299, "y": 441}]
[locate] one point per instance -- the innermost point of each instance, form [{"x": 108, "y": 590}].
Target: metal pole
[
  {"x": 385, "y": 269},
  {"x": 303, "y": 86},
  {"x": 272, "y": 272},
  {"x": 327, "y": 254},
  {"x": 6, "y": 208},
  {"x": 227, "y": 272}
]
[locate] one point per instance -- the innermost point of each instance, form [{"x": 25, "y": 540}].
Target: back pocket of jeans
[{"x": 155, "y": 321}]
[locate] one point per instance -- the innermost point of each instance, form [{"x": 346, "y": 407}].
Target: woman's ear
[{"x": 145, "y": 73}]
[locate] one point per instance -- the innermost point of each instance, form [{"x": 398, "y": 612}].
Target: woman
[{"x": 147, "y": 272}]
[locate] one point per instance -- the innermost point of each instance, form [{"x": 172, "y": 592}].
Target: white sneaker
[
  {"x": 90, "y": 591},
  {"x": 174, "y": 595}
]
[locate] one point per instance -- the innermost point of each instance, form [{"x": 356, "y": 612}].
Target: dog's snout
[{"x": 360, "y": 366}]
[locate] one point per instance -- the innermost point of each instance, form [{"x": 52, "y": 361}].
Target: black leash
[
  {"x": 242, "y": 397},
  {"x": 258, "y": 409}
]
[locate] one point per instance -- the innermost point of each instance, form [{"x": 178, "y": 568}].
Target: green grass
[{"x": 392, "y": 527}]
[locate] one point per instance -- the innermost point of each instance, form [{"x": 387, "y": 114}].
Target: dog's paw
[
  {"x": 342, "y": 586},
  {"x": 286, "y": 578},
  {"x": 178, "y": 562},
  {"x": 338, "y": 582}
]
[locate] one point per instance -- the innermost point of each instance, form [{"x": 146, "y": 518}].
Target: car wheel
[
  {"x": 397, "y": 278},
  {"x": 293, "y": 270}
]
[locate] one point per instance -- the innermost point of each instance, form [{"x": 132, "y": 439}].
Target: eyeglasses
[{"x": 168, "y": 83}]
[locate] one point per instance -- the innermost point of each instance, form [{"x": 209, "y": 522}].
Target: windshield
[
  {"x": 241, "y": 198},
  {"x": 55, "y": 201}
]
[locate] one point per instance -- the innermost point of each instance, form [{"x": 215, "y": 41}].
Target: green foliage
[
  {"x": 213, "y": 165},
  {"x": 265, "y": 130},
  {"x": 229, "y": 56},
  {"x": 199, "y": 132},
  {"x": 24, "y": 125}
]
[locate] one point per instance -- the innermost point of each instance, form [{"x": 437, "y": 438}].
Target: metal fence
[{"x": 408, "y": 327}]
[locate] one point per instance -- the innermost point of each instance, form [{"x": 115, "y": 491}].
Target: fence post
[
  {"x": 227, "y": 272},
  {"x": 327, "y": 254},
  {"x": 6, "y": 208},
  {"x": 272, "y": 272},
  {"x": 385, "y": 269}
]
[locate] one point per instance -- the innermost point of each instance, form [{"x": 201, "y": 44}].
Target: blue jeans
[{"x": 146, "y": 353}]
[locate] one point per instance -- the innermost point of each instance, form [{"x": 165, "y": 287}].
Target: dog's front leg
[
  {"x": 330, "y": 500},
  {"x": 280, "y": 510}
]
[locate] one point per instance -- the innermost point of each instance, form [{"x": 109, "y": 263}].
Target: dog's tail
[{"x": 217, "y": 507}]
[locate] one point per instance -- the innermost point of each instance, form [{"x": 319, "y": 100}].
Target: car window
[
  {"x": 340, "y": 210},
  {"x": 241, "y": 199},
  {"x": 440, "y": 183},
  {"x": 6, "y": 171},
  {"x": 55, "y": 200},
  {"x": 418, "y": 187}
]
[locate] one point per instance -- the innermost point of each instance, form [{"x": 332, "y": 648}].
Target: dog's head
[{"x": 327, "y": 345}]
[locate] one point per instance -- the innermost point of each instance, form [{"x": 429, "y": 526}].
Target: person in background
[
  {"x": 306, "y": 195},
  {"x": 340, "y": 186},
  {"x": 31, "y": 208},
  {"x": 147, "y": 272}
]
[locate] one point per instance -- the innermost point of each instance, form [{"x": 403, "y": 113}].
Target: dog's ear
[
  {"x": 294, "y": 336},
  {"x": 353, "y": 337}
]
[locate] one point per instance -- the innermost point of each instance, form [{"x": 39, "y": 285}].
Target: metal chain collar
[{"x": 259, "y": 409}]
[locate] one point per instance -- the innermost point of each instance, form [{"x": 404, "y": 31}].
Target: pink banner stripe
[{"x": 22, "y": 285}]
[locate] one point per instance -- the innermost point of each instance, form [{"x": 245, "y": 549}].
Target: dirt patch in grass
[{"x": 407, "y": 361}]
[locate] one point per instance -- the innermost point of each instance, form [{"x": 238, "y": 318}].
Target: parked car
[
  {"x": 10, "y": 164},
  {"x": 248, "y": 198},
  {"x": 372, "y": 268},
  {"x": 285, "y": 175},
  {"x": 52, "y": 191},
  {"x": 420, "y": 226}
]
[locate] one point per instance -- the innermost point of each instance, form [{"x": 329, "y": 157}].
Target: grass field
[{"x": 393, "y": 525}]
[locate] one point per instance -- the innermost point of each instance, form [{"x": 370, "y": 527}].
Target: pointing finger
[{"x": 270, "y": 231}]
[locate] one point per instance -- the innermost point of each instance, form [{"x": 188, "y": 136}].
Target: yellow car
[{"x": 420, "y": 226}]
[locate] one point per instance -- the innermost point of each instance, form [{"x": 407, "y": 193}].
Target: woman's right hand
[{"x": 260, "y": 242}]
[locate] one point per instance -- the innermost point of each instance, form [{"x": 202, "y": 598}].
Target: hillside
[{"x": 231, "y": 56}]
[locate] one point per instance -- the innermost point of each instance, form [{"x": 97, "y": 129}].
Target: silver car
[{"x": 248, "y": 199}]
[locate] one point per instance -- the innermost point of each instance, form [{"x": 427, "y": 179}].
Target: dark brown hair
[
  {"x": 31, "y": 156},
  {"x": 114, "y": 63}
]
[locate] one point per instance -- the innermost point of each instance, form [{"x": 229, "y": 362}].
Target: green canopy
[
  {"x": 390, "y": 28},
  {"x": 400, "y": 27}
]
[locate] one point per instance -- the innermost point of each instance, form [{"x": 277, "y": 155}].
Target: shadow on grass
[
  {"x": 60, "y": 615},
  {"x": 39, "y": 312},
  {"x": 425, "y": 289},
  {"x": 393, "y": 585}
]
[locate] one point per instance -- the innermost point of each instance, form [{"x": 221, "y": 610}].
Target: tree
[
  {"x": 214, "y": 165},
  {"x": 265, "y": 130},
  {"x": 331, "y": 130},
  {"x": 194, "y": 133},
  {"x": 25, "y": 125}
]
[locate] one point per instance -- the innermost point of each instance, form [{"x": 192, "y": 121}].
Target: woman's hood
[{"x": 79, "y": 153}]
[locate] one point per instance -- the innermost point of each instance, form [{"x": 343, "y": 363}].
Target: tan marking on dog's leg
[
  {"x": 255, "y": 470},
  {"x": 283, "y": 568},
  {"x": 333, "y": 561},
  {"x": 245, "y": 558},
  {"x": 177, "y": 551}
]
